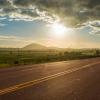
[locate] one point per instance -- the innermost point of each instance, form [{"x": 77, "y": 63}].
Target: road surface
[{"x": 66, "y": 80}]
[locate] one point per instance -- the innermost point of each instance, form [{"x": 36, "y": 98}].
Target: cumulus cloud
[
  {"x": 95, "y": 25},
  {"x": 70, "y": 12},
  {"x": 13, "y": 11},
  {"x": 92, "y": 26}
]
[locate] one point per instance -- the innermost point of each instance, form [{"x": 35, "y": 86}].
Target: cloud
[
  {"x": 5, "y": 37},
  {"x": 93, "y": 27},
  {"x": 13, "y": 41},
  {"x": 27, "y": 14},
  {"x": 12, "y": 38},
  {"x": 2, "y": 25},
  {"x": 70, "y": 12}
]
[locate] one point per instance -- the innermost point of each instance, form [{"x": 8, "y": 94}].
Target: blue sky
[{"x": 23, "y": 22}]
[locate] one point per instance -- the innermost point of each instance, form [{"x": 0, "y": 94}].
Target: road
[{"x": 66, "y": 80}]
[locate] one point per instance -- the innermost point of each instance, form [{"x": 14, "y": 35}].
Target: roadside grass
[
  {"x": 4, "y": 65},
  {"x": 10, "y": 58}
]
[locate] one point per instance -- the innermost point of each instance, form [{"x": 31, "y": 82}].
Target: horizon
[{"x": 52, "y": 47}]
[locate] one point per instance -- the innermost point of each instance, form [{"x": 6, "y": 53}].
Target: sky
[{"x": 54, "y": 23}]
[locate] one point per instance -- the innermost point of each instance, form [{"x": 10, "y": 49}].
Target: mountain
[{"x": 34, "y": 46}]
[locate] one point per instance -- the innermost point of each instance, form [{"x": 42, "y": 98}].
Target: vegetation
[{"x": 12, "y": 57}]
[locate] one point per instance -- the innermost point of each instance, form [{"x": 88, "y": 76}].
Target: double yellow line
[{"x": 33, "y": 82}]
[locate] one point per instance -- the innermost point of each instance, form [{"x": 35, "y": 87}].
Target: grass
[{"x": 9, "y": 58}]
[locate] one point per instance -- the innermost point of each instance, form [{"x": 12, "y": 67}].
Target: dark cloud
[
  {"x": 93, "y": 3},
  {"x": 70, "y": 12},
  {"x": 4, "y": 3},
  {"x": 23, "y": 2}
]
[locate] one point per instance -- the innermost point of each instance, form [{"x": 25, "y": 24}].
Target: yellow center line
[{"x": 33, "y": 82}]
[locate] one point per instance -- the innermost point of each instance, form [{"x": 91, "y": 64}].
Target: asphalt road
[{"x": 67, "y": 80}]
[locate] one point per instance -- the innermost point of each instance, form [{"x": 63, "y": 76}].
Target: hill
[{"x": 35, "y": 46}]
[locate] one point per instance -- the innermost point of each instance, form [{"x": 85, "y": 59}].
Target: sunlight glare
[{"x": 59, "y": 29}]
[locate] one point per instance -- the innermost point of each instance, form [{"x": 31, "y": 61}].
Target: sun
[{"x": 59, "y": 30}]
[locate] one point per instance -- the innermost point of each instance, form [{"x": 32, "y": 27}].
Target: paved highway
[{"x": 66, "y": 80}]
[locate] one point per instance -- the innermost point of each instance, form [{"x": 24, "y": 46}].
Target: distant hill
[
  {"x": 32, "y": 46},
  {"x": 35, "y": 46}
]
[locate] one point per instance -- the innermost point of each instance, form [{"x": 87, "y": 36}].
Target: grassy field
[{"x": 9, "y": 58}]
